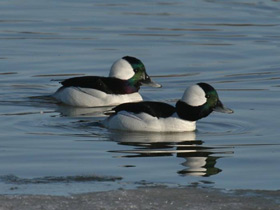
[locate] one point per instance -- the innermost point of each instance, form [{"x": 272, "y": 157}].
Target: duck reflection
[
  {"x": 65, "y": 110},
  {"x": 199, "y": 160},
  {"x": 69, "y": 111}
]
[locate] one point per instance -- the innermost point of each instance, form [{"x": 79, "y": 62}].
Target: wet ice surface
[
  {"x": 150, "y": 198},
  {"x": 47, "y": 148}
]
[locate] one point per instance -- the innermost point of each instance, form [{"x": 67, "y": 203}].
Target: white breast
[
  {"x": 146, "y": 123},
  {"x": 87, "y": 97}
]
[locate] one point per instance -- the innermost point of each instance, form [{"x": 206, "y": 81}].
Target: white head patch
[
  {"x": 121, "y": 69},
  {"x": 194, "y": 96}
]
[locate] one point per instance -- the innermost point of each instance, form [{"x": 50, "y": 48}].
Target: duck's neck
[
  {"x": 132, "y": 86},
  {"x": 191, "y": 113}
]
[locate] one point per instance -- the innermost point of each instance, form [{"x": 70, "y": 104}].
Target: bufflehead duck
[
  {"x": 126, "y": 76},
  {"x": 197, "y": 102}
]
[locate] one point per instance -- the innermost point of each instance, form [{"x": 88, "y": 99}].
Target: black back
[
  {"x": 108, "y": 85},
  {"x": 156, "y": 109}
]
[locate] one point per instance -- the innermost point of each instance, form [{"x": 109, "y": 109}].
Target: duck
[
  {"x": 198, "y": 101},
  {"x": 125, "y": 78}
]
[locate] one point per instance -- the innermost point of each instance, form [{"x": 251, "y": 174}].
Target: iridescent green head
[
  {"x": 131, "y": 68},
  {"x": 199, "y": 101},
  {"x": 213, "y": 102}
]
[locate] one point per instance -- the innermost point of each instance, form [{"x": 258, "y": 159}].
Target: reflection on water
[
  {"x": 48, "y": 102},
  {"x": 199, "y": 160},
  {"x": 85, "y": 112}
]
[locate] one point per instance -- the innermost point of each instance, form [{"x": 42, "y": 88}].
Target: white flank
[
  {"x": 121, "y": 69},
  {"x": 87, "y": 97},
  {"x": 146, "y": 123},
  {"x": 194, "y": 96}
]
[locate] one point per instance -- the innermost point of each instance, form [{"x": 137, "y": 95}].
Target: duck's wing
[
  {"x": 94, "y": 82},
  {"x": 155, "y": 109}
]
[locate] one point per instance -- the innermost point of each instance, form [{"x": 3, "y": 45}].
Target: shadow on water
[{"x": 199, "y": 160}]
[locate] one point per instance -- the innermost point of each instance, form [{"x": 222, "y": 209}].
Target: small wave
[{"x": 222, "y": 127}]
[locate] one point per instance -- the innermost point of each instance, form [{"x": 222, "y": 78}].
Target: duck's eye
[
  {"x": 207, "y": 96},
  {"x": 136, "y": 70}
]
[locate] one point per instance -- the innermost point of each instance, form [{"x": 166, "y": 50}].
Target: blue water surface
[{"x": 47, "y": 148}]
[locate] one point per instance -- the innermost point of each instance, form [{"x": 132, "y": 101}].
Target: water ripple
[{"x": 12, "y": 179}]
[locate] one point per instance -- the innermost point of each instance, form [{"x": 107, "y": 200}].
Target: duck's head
[
  {"x": 199, "y": 101},
  {"x": 130, "y": 68}
]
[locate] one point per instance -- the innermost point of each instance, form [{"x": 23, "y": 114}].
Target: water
[{"x": 51, "y": 149}]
